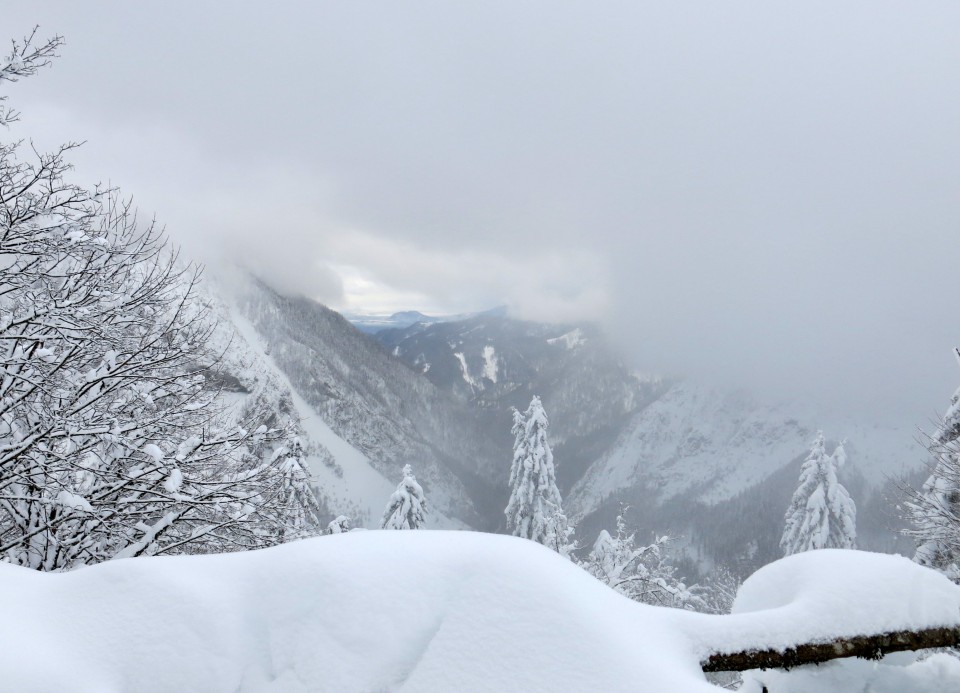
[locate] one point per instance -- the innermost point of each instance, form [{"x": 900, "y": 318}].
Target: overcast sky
[{"x": 752, "y": 192}]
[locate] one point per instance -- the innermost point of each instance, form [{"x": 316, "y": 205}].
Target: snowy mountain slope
[
  {"x": 387, "y": 412},
  {"x": 343, "y": 476},
  {"x": 713, "y": 467},
  {"x": 717, "y": 443},
  {"x": 435, "y": 612},
  {"x": 718, "y": 467},
  {"x": 495, "y": 363}
]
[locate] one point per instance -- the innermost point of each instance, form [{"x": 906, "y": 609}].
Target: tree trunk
[{"x": 865, "y": 646}]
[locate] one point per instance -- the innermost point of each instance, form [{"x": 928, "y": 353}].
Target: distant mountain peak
[{"x": 373, "y": 323}]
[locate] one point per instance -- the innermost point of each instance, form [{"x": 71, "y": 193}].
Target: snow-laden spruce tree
[
  {"x": 112, "y": 439},
  {"x": 934, "y": 510},
  {"x": 535, "y": 510},
  {"x": 822, "y": 515},
  {"x": 339, "y": 525},
  {"x": 299, "y": 508},
  {"x": 407, "y": 507},
  {"x": 642, "y": 573}
]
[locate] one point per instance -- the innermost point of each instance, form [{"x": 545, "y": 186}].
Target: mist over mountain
[
  {"x": 712, "y": 468},
  {"x": 371, "y": 324},
  {"x": 659, "y": 293}
]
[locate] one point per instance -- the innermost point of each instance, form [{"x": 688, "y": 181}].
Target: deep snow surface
[{"x": 415, "y": 611}]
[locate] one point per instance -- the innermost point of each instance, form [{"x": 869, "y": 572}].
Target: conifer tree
[
  {"x": 298, "y": 504},
  {"x": 339, "y": 525},
  {"x": 535, "y": 507},
  {"x": 407, "y": 506},
  {"x": 822, "y": 515}
]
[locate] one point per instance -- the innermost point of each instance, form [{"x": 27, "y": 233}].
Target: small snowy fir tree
[
  {"x": 822, "y": 515},
  {"x": 934, "y": 510},
  {"x": 407, "y": 506},
  {"x": 298, "y": 504},
  {"x": 641, "y": 573},
  {"x": 535, "y": 508},
  {"x": 340, "y": 525}
]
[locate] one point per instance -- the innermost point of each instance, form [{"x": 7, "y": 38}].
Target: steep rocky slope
[
  {"x": 494, "y": 363},
  {"x": 367, "y": 398},
  {"x": 715, "y": 468},
  {"x": 718, "y": 468}
]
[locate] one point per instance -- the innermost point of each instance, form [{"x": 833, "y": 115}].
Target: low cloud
[{"x": 752, "y": 195}]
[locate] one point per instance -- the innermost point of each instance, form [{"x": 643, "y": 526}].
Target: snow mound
[
  {"x": 897, "y": 673},
  {"x": 359, "y": 611},
  {"x": 853, "y": 592},
  {"x": 821, "y": 595},
  {"x": 421, "y": 611}
]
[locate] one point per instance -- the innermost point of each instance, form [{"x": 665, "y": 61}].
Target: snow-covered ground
[
  {"x": 423, "y": 611},
  {"x": 894, "y": 594}
]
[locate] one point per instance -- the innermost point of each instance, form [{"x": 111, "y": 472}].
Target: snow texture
[
  {"x": 902, "y": 672},
  {"x": 154, "y": 451},
  {"x": 570, "y": 340},
  {"x": 467, "y": 378},
  {"x": 476, "y": 612},
  {"x": 490, "y": 366},
  {"x": 893, "y": 594}
]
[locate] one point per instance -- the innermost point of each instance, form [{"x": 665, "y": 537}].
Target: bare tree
[
  {"x": 934, "y": 510},
  {"x": 25, "y": 58},
  {"x": 112, "y": 439},
  {"x": 639, "y": 572}
]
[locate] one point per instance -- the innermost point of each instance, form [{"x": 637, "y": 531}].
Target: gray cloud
[{"x": 750, "y": 193}]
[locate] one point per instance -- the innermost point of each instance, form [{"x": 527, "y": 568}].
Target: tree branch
[{"x": 863, "y": 646}]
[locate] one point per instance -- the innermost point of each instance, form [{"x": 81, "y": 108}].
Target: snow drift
[{"x": 416, "y": 611}]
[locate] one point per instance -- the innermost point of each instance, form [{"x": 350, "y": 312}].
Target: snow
[
  {"x": 570, "y": 340},
  {"x": 719, "y": 442},
  {"x": 821, "y": 513},
  {"x": 819, "y": 595},
  {"x": 853, "y": 592},
  {"x": 73, "y": 501},
  {"x": 453, "y": 611},
  {"x": 154, "y": 451},
  {"x": 490, "y": 365},
  {"x": 897, "y": 673},
  {"x": 490, "y": 369},
  {"x": 407, "y": 508},
  {"x": 360, "y": 486},
  {"x": 466, "y": 371},
  {"x": 174, "y": 481}
]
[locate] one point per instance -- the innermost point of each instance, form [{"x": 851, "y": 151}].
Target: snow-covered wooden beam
[{"x": 865, "y": 646}]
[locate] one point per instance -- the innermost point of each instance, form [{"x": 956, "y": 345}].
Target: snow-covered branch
[
  {"x": 863, "y": 646},
  {"x": 113, "y": 439}
]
